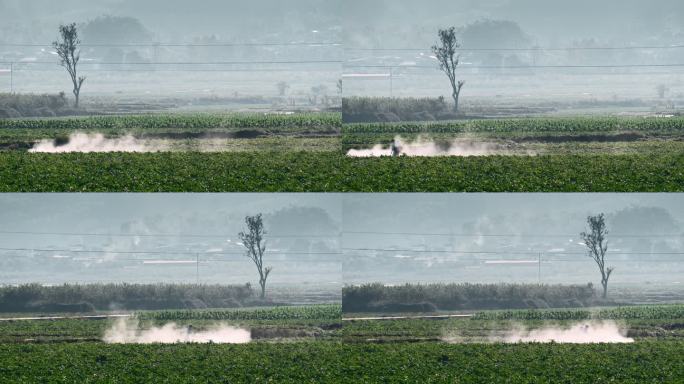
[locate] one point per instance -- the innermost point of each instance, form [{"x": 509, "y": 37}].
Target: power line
[
  {"x": 153, "y": 45},
  {"x": 338, "y": 44},
  {"x": 183, "y": 62},
  {"x": 157, "y": 252},
  {"x": 273, "y": 70},
  {"x": 534, "y": 260},
  {"x": 497, "y": 235},
  {"x": 171, "y": 262},
  {"x": 302, "y": 62},
  {"x": 386, "y": 66},
  {"x": 88, "y": 70},
  {"x": 485, "y": 252},
  {"x": 297, "y": 62},
  {"x": 532, "y": 49},
  {"x": 386, "y": 76},
  {"x": 430, "y": 234},
  {"x": 354, "y": 65},
  {"x": 151, "y": 235},
  {"x": 530, "y": 252}
]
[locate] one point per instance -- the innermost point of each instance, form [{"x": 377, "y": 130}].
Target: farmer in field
[{"x": 395, "y": 150}]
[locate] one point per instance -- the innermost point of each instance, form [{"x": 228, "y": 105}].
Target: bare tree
[
  {"x": 254, "y": 241},
  {"x": 70, "y": 54},
  {"x": 339, "y": 87},
  {"x": 597, "y": 246},
  {"x": 445, "y": 53}
]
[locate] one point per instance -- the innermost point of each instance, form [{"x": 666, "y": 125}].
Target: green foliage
[
  {"x": 107, "y": 29},
  {"x": 84, "y": 359},
  {"x": 331, "y": 362},
  {"x": 657, "y": 166},
  {"x": 380, "y": 298},
  {"x": 237, "y": 131},
  {"x": 358, "y": 109},
  {"x": 584, "y": 131},
  {"x": 659, "y": 312},
  {"x": 18, "y": 105},
  {"x": 294, "y": 122},
  {"x": 549, "y": 173},
  {"x": 661, "y": 322},
  {"x": 527, "y": 125},
  {"x": 312, "y": 317},
  {"x": 331, "y": 172},
  {"x": 80, "y": 298},
  {"x": 323, "y": 312},
  {"x": 53, "y": 330},
  {"x": 523, "y": 144}
]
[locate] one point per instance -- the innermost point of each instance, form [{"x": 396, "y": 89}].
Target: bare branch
[
  {"x": 253, "y": 241},
  {"x": 597, "y": 247},
  {"x": 446, "y": 56},
  {"x": 70, "y": 55}
]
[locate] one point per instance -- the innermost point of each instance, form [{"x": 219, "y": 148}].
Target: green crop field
[
  {"x": 305, "y": 152},
  {"x": 330, "y": 172},
  {"x": 579, "y": 135},
  {"x": 235, "y": 132},
  {"x": 641, "y": 322},
  {"x": 312, "y": 312},
  {"x": 195, "y": 122},
  {"x": 407, "y": 351},
  {"x": 659, "y": 312},
  {"x": 470, "y": 350},
  {"x": 306, "y": 362},
  {"x": 312, "y": 321},
  {"x": 566, "y": 125}
]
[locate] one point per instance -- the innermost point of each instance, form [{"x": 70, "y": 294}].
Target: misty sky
[
  {"x": 547, "y": 22},
  {"x": 302, "y": 241},
  {"x": 437, "y": 237},
  {"x": 391, "y": 238},
  {"x": 171, "y": 20},
  {"x": 212, "y": 48},
  {"x": 344, "y": 27},
  {"x": 496, "y": 38}
]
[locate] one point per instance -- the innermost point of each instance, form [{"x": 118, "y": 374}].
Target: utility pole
[{"x": 539, "y": 269}]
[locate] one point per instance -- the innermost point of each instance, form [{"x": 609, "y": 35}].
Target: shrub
[
  {"x": 77, "y": 298},
  {"x": 417, "y": 297},
  {"x": 385, "y": 109},
  {"x": 19, "y": 105}
]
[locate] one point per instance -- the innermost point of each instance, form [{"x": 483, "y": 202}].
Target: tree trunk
[
  {"x": 455, "y": 96},
  {"x": 605, "y": 288},
  {"x": 262, "y": 283},
  {"x": 76, "y": 94}
]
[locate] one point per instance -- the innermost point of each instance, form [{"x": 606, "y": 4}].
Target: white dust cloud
[
  {"x": 128, "y": 332},
  {"x": 428, "y": 148},
  {"x": 587, "y": 332},
  {"x": 96, "y": 142},
  {"x": 581, "y": 333}
]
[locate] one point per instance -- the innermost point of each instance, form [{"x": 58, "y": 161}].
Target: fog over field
[
  {"x": 611, "y": 56},
  {"x": 524, "y": 53},
  {"x": 513, "y": 238},
  {"x": 155, "y": 50},
  {"x": 547, "y": 22},
  {"x": 153, "y": 238}
]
